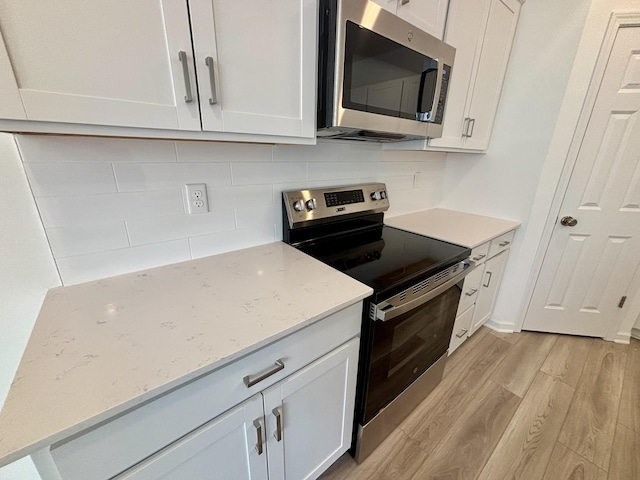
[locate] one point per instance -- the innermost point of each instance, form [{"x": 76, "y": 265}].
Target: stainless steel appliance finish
[
  {"x": 304, "y": 206},
  {"x": 372, "y": 434},
  {"x": 408, "y": 321},
  {"x": 400, "y": 102}
]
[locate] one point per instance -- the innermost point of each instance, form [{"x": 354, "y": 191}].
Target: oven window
[
  {"x": 382, "y": 76},
  {"x": 406, "y": 346}
]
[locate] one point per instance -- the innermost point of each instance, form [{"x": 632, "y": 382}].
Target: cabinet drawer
[
  {"x": 461, "y": 329},
  {"x": 500, "y": 244},
  {"x": 479, "y": 254},
  {"x": 470, "y": 289},
  {"x": 126, "y": 440}
]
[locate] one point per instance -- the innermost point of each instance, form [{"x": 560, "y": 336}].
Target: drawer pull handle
[
  {"x": 479, "y": 257},
  {"x": 505, "y": 243},
  {"x": 188, "y": 98},
  {"x": 471, "y": 292},
  {"x": 278, "y": 414},
  {"x": 251, "y": 380},
  {"x": 258, "y": 425},
  {"x": 462, "y": 333}
]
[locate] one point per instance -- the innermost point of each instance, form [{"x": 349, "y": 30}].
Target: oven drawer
[
  {"x": 479, "y": 254},
  {"x": 503, "y": 242},
  {"x": 470, "y": 289},
  {"x": 461, "y": 329}
]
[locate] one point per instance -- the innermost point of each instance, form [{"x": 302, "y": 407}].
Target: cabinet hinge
[{"x": 622, "y": 300}]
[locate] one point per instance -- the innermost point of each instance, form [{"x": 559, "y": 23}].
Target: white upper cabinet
[
  {"x": 256, "y": 65},
  {"x": 111, "y": 63},
  {"x": 427, "y": 15},
  {"x": 231, "y": 68}
]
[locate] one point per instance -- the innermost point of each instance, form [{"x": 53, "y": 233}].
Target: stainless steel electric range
[{"x": 408, "y": 321}]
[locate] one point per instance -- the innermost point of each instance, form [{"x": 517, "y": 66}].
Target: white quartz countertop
[
  {"x": 101, "y": 348},
  {"x": 452, "y": 226}
]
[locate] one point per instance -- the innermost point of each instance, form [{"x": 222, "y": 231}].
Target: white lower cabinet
[
  {"x": 492, "y": 277},
  {"x": 225, "y": 448},
  {"x": 285, "y": 410},
  {"x": 295, "y": 430}
]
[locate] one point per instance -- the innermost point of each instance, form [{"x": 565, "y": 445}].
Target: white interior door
[
  {"x": 103, "y": 63},
  {"x": 588, "y": 267}
]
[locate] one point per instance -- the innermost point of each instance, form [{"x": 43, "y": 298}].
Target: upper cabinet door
[
  {"x": 465, "y": 23},
  {"x": 10, "y": 101},
  {"x": 106, "y": 63},
  {"x": 492, "y": 66},
  {"x": 256, "y": 65},
  {"x": 427, "y": 15}
]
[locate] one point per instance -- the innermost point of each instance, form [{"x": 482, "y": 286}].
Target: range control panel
[{"x": 305, "y": 206}]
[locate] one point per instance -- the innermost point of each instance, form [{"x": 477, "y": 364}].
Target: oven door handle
[{"x": 389, "y": 313}]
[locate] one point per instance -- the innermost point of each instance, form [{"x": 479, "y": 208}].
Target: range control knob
[
  {"x": 376, "y": 195},
  {"x": 383, "y": 194},
  {"x": 311, "y": 204},
  {"x": 298, "y": 205}
]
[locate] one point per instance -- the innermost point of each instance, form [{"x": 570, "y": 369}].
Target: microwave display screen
[{"x": 385, "y": 77}]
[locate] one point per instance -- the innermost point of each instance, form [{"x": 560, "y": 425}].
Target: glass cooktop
[{"x": 386, "y": 258}]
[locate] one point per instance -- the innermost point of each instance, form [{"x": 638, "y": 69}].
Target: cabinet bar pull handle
[
  {"x": 278, "y": 414},
  {"x": 488, "y": 280},
  {"x": 465, "y": 127},
  {"x": 505, "y": 243},
  {"x": 472, "y": 124},
  {"x": 188, "y": 98},
  {"x": 404, "y": 2},
  {"x": 251, "y": 380},
  {"x": 462, "y": 333},
  {"x": 258, "y": 425},
  {"x": 471, "y": 292},
  {"x": 479, "y": 257},
  {"x": 212, "y": 80}
]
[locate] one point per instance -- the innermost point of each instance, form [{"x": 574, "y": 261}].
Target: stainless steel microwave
[{"x": 379, "y": 78}]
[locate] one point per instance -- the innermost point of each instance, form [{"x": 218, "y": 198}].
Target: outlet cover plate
[{"x": 195, "y": 198}]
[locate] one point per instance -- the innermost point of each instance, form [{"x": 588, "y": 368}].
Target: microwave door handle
[{"x": 436, "y": 94}]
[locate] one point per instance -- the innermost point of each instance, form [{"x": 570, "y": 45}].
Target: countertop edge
[{"x": 172, "y": 385}]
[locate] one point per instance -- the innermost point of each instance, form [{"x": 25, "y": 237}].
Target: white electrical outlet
[{"x": 195, "y": 198}]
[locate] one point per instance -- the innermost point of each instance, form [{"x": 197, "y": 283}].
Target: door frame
[{"x": 577, "y": 107}]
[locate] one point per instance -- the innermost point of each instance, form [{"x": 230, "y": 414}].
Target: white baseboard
[
  {"x": 635, "y": 333},
  {"x": 501, "y": 327}
]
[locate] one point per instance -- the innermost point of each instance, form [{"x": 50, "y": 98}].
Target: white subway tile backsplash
[
  {"x": 48, "y": 179},
  {"x": 134, "y": 177},
  {"x": 84, "y": 268},
  {"x": 222, "y": 152},
  {"x": 267, "y": 173},
  {"x": 229, "y": 241},
  {"x": 76, "y": 210},
  {"x": 87, "y": 238},
  {"x": 51, "y": 148},
  {"x": 160, "y": 229},
  {"x": 97, "y": 231}
]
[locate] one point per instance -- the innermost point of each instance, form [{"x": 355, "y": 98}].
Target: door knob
[{"x": 568, "y": 221}]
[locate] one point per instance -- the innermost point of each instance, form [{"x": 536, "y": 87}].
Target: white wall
[
  {"x": 503, "y": 182},
  {"x": 111, "y": 206},
  {"x": 26, "y": 272}
]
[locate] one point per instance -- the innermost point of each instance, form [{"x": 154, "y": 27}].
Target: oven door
[{"x": 408, "y": 340}]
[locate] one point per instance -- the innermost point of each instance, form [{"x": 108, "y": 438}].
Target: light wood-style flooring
[{"x": 528, "y": 406}]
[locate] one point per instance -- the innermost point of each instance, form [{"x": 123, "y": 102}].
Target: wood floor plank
[
  {"x": 625, "y": 458},
  {"x": 518, "y": 370},
  {"x": 397, "y": 458},
  {"x": 431, "y": 420},
  {"x": 567, "y": 465},
  {"x": 629, "y": 414},
  {"x": 567, "y": 358},
  {"x": 464, "y": 349},
  {"x": 512, "y": 338},
  {"x": 590, "y": 425},
  {"x": 526, "y": 446},
  {"x": 467, "y": 446}
]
